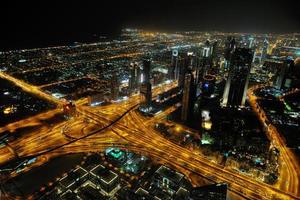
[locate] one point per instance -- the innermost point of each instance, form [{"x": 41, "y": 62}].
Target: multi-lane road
[
  {"x": 290, "y": 171},
  {"x": 119, "y": 124}
]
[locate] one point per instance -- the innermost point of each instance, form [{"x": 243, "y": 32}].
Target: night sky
[{"x": 50, "y": 23}]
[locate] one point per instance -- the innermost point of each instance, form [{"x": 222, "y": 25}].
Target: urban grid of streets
[{"x": 120, "y": 125}]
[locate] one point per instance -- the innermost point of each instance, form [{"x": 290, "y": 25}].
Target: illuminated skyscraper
[
  {"x": 264, "y": 50},
  {"x": 206, "y": 58},
  {"x": 146, "y": 70},
  {"x": 206, "y": 61},
  {"x": 214, "y": 52},
  {"x": 238, "y": 77},
  {"x": 229, "y": 48},
  {"x": 134, "y": 76},
  {"x": 146, "y": 87},
  {"x": 184, "y": 64},
  {"x": 283, "y": 77},
  {"x": 189, "y": 95},
  {"x": 173, "y": 69},
  {"x": 207, "y": 50},
  {"x": 251, "y": 42}
]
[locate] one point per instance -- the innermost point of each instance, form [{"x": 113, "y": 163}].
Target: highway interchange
[{"x": 119, "y": 124}]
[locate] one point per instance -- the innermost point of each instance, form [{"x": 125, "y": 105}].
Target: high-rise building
[
  {"x": 172, "y": 72},
  {"x": 134, "y": 76},
  {"x": 208, "y": 85},
  {"x": 114, "y": 87},
  {"x": 264, "y": 50},
  {"x": 214, "y": 51},
  {"x": 206, "y": 58},
  {"x": 146, "y": 94},
  {"x": 251, "y": 42},
  {"x": 138, "y": 78},
  {"x": 283, "y": 78},
  {"x": 279, "y": 77},
  {"x": 229, "y": 48},
  {"x": 189, "y": 95},
  {"x": 146, "y": 70},
  {"x": 207, "y": 50},
  {"x": 146, "y": 87},
  {"x": 185, "y": 65},
  {"x": 238, "y": 77}
]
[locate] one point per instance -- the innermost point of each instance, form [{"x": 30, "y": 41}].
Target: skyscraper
[
  {"x": 146, "y": 70},
  {"x": 264, "y": 50},
  {"x": 251, "y": 42},
  {"x": 114, "y": 86},
  {"x": 138, "y": 78},
  {"x": 214, "y": 52},
  {"x": 207, "y": 50},
  {"x": 206, "y": 58},
  {"x": 172, "y": 72},
  {"x": 238, "y": 77},
  {"x": 146, "y": 87},
  {"x": 189, "y": 95},
  {"x": 283, "y": 77},
  {"x": 229, "y": 48},
  {"x": 183, "y": 65},
  {"x": 134, "y": 76},
  {"x": 208, "y": 85}
]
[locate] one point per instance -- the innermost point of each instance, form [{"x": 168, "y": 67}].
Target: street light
[{"x": 178, "y": 129}]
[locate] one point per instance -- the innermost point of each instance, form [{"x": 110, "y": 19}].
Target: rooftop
[
  {"x": 170, "y": 174},
  {"x": 105, "y": 175}
]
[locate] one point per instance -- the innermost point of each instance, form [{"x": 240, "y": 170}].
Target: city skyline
[
  {"x": 157, "y": 100},
  {"x": 34, "y": 24}
]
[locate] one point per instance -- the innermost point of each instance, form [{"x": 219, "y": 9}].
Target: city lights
[{"x": 161, "y": 113}]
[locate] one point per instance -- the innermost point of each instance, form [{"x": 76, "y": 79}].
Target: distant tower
[
  {"x": 189, "y": 94},
  {"x": 173, "y": 69},
  {"x": 238, "y": 77},
  {"x": 206, "y": 49},
  {"x": 251, "y": 42},
  {"x": 138, "y": 79},
  {"x": 146, "y": 70},
  {"x": 214, "y": 52},
  {"x": 146, "y": 87},
  {"x": 283, "y": 75},
  {"x": 229, "y": 48},
  {"x": 264, "y": 50},
  {"x": 114, "y": 86},
  {"x": 134, "y": 76},
  {"x": 184, "y": 64}
]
